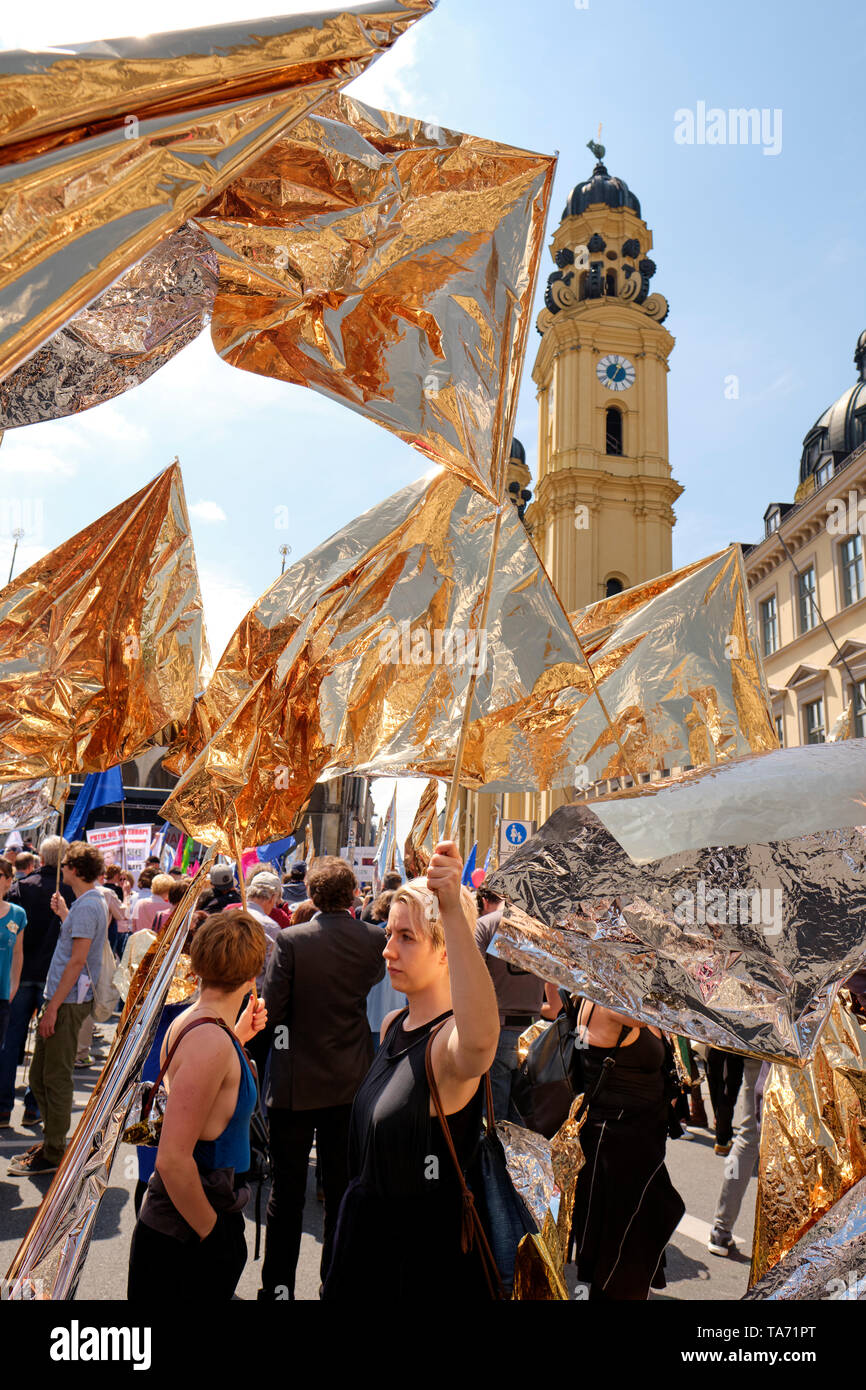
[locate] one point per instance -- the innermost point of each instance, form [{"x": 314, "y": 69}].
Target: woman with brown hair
[
  {"x": 189, "y": 1238},
  {"x": 403, "y": 1209}
]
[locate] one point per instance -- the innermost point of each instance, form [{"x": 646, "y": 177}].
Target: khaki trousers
[{"x": 51, "y": 1073}]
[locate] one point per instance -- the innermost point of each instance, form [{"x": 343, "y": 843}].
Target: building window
[
  {"x": 806, "y": 597},
  {"x": 780, "y": 729},
  {"x": 824, "y": 473},
  {"x": 813, "y": 721},
  {"x": 852, "y": 569},
  {"x": 610, "y": 282},
  {"x": 858, "y": 695},
  {"x": 772, "y": 522},
  {"x": 613, "y": 586},
  {"x": 769, "y": 625},
  {"x": 613, "y": 430}
]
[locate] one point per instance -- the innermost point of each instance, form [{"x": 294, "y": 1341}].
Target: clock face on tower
[{"x": 615, "y": 372}]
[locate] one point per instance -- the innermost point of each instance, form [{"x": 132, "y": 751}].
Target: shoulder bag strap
[
  {"x": 471, "y": 1225},
  {"x": 196, "y": 1023}
]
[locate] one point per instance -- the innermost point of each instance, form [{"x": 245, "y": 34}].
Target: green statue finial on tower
[{"x": 595, "y": 146}]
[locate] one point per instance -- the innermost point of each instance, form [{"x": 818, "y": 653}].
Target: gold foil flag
[
  {"x": 359, "y": 660},
  {"x": 106, "y": 148},
  {"x": 813, "y": 1138},
  {"x": 390, "y": 265},
  {"x": 102, "y": 641}
]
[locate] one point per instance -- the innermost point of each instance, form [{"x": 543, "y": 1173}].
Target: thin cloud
[{"x": 207, "y": 511}]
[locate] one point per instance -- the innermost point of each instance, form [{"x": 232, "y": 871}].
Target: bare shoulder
[
  {"x": 387, "y": 1021},
  {"x": 199, "y": 1044}
]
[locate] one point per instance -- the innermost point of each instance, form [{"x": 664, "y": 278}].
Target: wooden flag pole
[
  {"x": 451, "y": 811},
  {"x": 60, "y": 847}
]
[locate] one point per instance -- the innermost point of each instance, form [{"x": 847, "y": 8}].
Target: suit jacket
[{"x": 318, "y": 978}]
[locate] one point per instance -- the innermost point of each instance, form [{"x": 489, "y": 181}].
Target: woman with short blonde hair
[{"x": 403, "y": 1209}]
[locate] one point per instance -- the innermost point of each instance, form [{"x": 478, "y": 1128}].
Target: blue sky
[{"x": 760, "y": 256}]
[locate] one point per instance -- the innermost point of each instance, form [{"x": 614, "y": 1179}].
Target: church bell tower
[{"x": 603, "y": 515}]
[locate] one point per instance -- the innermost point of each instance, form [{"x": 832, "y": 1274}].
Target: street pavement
[{"x": 692, "y": 1272}]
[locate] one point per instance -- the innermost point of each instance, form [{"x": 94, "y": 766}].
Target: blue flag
[
  {"x": 487, "y": 858},
  {"x": 469, "y": 867},
  {"x": 273, "y": 853},
  {"x": 100, "y": 789}
]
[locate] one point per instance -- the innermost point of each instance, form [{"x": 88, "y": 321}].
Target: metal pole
[{"x": 16, "y": 536}]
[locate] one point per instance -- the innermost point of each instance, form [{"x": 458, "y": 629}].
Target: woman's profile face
[{"x": 411, "y": 959}]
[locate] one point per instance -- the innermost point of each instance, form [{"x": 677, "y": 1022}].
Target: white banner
[{"x": 109, "y": 840}]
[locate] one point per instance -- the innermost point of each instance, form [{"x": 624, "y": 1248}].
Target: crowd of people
[{"x": 365, "y": 1024}]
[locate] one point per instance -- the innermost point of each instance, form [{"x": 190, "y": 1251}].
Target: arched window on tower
[
  {"x": 613, "y": 430},
  {"x": 612, "y": 586},
  {"x": 610, "y": 282}
]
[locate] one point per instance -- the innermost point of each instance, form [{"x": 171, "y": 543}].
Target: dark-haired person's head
[
  {"x": 228, "y": 951},
  {"x": 331, "y": 884},
  {"x": 177, "y": 891},
  {"x": 112, "y": 873},
  {"x": 391, "y": 882},
  {"x": 146, "y": 877},
  {"x": 382, "y": 906},
  {"x": 83, "y": 863},
  {"x": 7, "y": 874},
  {"x": 487, "y": 901},
  {"x": 304, "y": 912},
  {"x": 25, "y": 864},
  {"x": 297, "y": 873},
  {"x": 152, "y": 861}
]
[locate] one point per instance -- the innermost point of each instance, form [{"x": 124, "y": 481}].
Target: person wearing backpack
[{"x": 76, "y": 962}]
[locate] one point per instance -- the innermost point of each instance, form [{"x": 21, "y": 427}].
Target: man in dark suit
[{"x": 318, "y": 978}]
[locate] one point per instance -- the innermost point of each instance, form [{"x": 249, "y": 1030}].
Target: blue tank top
[{"x": 231, "y": 1149}]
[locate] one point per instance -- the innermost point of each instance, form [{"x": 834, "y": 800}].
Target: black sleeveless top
[
  {"x": 402, "y": 1211},
  {"x": 636, "y": 1084},
  {"x": 396, "y": 1147}
]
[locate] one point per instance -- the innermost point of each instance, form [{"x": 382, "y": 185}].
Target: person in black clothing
[
  {"x": 626, "y": 1208},
  {"x": 724, "y": 1078},
  {"x": 318, "y": 978},
  {"x": 33, "y": 893},
  {"x": 402, "y": 1213},
  {"x": 223, "y": 890}
]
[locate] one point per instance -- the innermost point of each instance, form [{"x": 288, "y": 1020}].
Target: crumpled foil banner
[
  {"x": 742, "y": 947},
  {"x": 391, "y": 266},
  {"x": 358, "y": 660},
  {"x": 813, "y": 1138},
  {"x": 31, "y": 802},
  {"x": 133, "y": 328},
  {"x": 49, "y": 1260},
  {"x": 544, "y": 1173},
  {"x": 780, "y": 795},
  {"x": 678, "y": 669},
  {"x": 102, "y": 641},
  {"x": 828, "y": 1262},
  {"x": 420, "y": 842},
  {"x": 107, "y": 147}
]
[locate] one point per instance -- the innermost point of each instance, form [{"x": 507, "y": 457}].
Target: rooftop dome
[
  {"x": 517, "y": 451},
  {"x": 600, "y": 187},
  {"x": 842, "y": 427}
]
